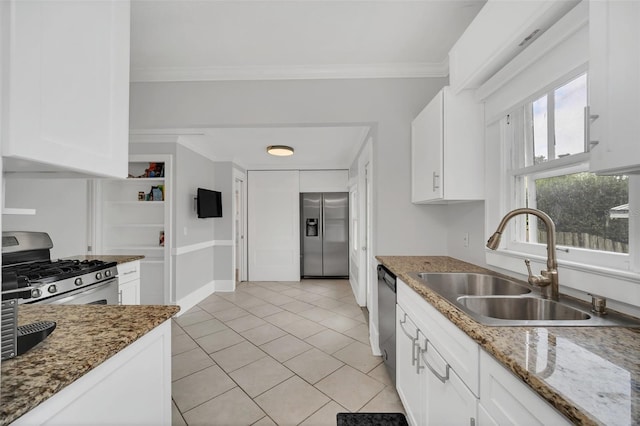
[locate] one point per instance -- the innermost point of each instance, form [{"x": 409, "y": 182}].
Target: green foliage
[{"x": 580, "y": 203}]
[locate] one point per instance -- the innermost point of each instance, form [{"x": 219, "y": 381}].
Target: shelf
[
  {"x": 158, "y": 203},
  {"x": 136, "y": 225},
  {"x": 26, "y": 212},
  {"x": 158, "y": 179},
  {"x": 154, "y": 248},
  {"x": 151, "y": 261}
]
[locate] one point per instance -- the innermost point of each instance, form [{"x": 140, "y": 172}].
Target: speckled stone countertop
[
  {"x": 589, "y": 374},
  {"x": 122, "y": 258},
  {"x": 85, "y": 336}
]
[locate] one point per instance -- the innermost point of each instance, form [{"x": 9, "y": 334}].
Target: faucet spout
[{"x": 548, "y": 279}]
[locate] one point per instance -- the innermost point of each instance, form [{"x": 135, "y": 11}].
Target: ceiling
[
  {"x": 247, "y": 146},
  {"x": 190, "y": 40}
]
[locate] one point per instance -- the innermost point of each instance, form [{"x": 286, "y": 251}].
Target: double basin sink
[{"x": 498, "y": 301}]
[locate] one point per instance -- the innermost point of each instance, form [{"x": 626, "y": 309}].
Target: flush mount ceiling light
[{"x": 280, "y": 150}]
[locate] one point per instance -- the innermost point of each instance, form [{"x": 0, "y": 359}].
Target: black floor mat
[{"x": 371, "y": 419}]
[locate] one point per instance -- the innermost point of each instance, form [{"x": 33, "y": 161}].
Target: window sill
[{"x": 618, "y": 285}]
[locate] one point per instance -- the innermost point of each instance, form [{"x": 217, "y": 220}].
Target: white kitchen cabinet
[
  {"x": 409, "y": 373},
  {"x": 127, "y": 222},
  {"x": 506, "y": 400},
  {"x": 430, "y": 389},
  {"x": 129, "y": 283},
  {"x": 447, "y": 150},
  {"x": 452, "y": 380},
  {"x": 67, "y": 86},
  {"x": 449, "y": 401},
  {"x": 131, "y": 387},
  {"x": 614, "y": 86}
]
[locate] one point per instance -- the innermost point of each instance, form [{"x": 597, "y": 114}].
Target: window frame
[{"x": 516, "y": 144}]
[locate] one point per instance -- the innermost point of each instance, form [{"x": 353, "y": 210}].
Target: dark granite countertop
[
  {"x": 120, "y": 258},
  {"x": 596, "y": 376},
  {"x": 85, "y": 336}
]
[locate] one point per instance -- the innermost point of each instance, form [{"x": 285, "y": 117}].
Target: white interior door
[{"x": 274, "y": 225}]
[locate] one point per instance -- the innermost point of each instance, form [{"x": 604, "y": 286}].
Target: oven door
[{"x": 103, "y": 293}]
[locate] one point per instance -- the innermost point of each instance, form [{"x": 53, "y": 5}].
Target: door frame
[
  {"x": 364, "y": 230},
  {"x": 239, "y": 182}
]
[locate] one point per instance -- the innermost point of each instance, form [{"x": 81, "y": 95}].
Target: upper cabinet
[
  {"x": 447, "y": 149},
  {"x": 66, "y": 86},
  {"x": 500, "y": 31},
  {"x": 614, "y": 86}
]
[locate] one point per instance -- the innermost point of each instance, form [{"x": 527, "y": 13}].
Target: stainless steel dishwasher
[{"x": 387, "y": 319}]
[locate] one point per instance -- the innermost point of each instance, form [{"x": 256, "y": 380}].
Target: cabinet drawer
[
  {"x": 128, "y": 271},
  {"x": 461, "y": 352}
]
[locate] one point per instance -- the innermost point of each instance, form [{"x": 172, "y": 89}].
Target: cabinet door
[
  {"x": 68, "y": 86},
  {"x": 426, "y": 152},
  {"x": 130, "y": 293},
  {"x": 408, "y": 372},
  {"x": 508, "y": 401},
  {"x": 614, "y": 85},
  {"x": 449, "y": 401}
]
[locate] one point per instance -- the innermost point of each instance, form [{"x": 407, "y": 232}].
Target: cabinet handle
[
  {"x": 588, "y": 119},
  {"x": 130, "y": 272},
  {"x": 440, "y": 377},
  {"x": 414, "y": 357},
  {"x": 436, "y": 176}
]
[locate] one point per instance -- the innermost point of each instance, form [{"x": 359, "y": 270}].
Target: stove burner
[{"x": 51, "y": 271}]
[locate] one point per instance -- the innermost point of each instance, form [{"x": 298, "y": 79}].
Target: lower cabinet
[
  {"x": 449, "y": 401},
  {"x": 444, "y": 378},
  {"x": 410, "y": 376},
  {"x": 430, "y": 390},
  {"x": 129, "y": 283},
  {"x": 133, "y": 387},
  {"x": 506, "y": 400}
]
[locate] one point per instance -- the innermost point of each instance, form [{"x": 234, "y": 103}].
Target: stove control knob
[
  {"x": 99, "y": 276},
  {"x": 107, "y": 273},
  {"x": 52, "y": 288},
  {"x": 36, "y": 293},
  {"x": 78, "y": 281}
]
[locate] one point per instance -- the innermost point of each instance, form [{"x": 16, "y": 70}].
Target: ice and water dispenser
[{"x": 312, "y": 227}]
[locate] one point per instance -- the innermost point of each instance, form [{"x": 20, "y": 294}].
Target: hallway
[{"x": 284, "y": 353}]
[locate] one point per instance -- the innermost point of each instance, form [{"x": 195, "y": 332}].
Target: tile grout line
[{"x": 250, "y": 295}]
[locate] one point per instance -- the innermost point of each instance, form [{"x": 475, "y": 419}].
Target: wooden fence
[{"x": 594, "y": 242}]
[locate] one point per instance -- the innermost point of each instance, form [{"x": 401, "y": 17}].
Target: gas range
[{"x": 30, "y": 276}]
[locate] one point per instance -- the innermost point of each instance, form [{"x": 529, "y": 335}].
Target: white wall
[
  {"x": 388, "y": 105},
  {"x": 61, "y": 211},
  {"x": 466, "y": 218},
  {"x": 193, "y": 249}
]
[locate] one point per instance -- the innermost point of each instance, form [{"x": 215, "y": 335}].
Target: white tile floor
[{"x": 283, "y": 353}]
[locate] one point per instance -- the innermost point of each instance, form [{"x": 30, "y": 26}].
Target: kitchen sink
[
  {"x": 522, "y": 309},
  {"x": 472, "y": 284},
  {"x": 497, "y": 301}
]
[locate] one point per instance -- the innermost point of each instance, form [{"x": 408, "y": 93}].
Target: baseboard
[
  {"x": 192, "y": 299},
  {"x": 356, "y": 292},
  {"x": 225, "y": 285},
  {"x": 374, "y": 340}
]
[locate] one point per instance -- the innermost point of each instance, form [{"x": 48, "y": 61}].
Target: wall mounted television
[{"x": 209, "y": 203}]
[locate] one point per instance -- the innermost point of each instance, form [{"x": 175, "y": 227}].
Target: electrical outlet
[
  {"x": 465, "y": 239},
  {"x": 185, "y": 230}
]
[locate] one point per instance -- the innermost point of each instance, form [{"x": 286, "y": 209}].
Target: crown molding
[{"x": 400, "y": 70}]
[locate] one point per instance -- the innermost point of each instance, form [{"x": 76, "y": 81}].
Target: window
[{"x": 549, "y": 171}]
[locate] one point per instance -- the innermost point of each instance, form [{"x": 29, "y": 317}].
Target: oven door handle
[{"x": 84, "y": 292}]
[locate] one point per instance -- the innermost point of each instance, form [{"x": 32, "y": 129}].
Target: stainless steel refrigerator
[{"x": 324, "y": 234}]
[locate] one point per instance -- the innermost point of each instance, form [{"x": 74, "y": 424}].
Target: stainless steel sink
[
  {"x": 522, "y": 309},
  {"x": 472, "y": 284},
  {"x": 497, "y": 301}
]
